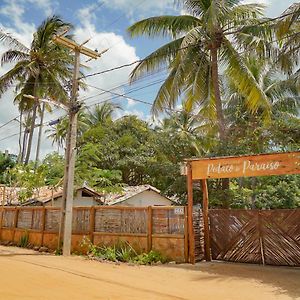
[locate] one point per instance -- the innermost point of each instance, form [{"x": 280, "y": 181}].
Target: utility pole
[{"x": 68, "y": 185}]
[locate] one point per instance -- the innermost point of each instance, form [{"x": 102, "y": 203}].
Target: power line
[
  {"x": 133, "y": 63},
  {"x": 3, "y": 125}
]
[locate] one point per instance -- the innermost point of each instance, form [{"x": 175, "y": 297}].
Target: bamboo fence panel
[
  {"x": 81, "y": 220},
  {"x": 8, "y": 218},
  {"x": 37, "y": 219},
  {"x": 52, "y": 219},
  {"x": 120, "y": 220},
  {"x": 25, "y": 219},
  {"x": 166, "y": 221}
]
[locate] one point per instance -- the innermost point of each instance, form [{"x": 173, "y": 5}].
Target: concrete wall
[
  {"x": 79, "y": 200},
  {"x": 146, "y": 198}
]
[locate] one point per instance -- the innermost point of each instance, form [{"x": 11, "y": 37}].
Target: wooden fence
[
  {"x": 159, "y": 228},
  {"x": 256, "y": 236}
]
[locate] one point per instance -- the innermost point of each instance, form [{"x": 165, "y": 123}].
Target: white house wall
[{"x": 78, "y": 201}]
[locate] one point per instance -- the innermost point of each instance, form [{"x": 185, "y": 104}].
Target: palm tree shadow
[{"x": 285, "y": 280}]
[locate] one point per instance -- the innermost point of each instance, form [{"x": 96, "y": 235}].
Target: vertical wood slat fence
[
  {"x": 144, "y": 228},
  {"x": 256, "y": 236}
]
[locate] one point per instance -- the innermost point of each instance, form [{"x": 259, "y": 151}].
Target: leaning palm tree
[
  {"x": 43, "y": 69},
  {"x": 213, "y": 33}
]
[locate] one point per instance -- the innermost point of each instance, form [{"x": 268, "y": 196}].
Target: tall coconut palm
[
  {"x": 214, "y": 33},
  {"x": 43, "y": 69},
  {"x": 284, "y": 99}
]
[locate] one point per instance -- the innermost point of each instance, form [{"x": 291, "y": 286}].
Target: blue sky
[{"x": 105, "y": 22}]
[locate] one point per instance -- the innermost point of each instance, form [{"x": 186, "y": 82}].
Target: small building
[
  {"x": 83, "y": 196},
  {"x": 138, "y": 196}
]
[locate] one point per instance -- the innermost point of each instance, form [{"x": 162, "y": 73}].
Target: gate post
[
  {"x": 205, "y": 220},
  {"x": 190, "y": 214}
]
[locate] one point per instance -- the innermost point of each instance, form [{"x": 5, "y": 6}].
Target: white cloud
[
  {"x": 119, "y": 53},
  {"x": 136, "y": 9},
  {"x": 47, "y": 6}
]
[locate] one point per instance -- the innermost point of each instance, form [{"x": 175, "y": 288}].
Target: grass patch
[
  {"x": 24, "y": 240},
  {"x": 123, "y": 252}
]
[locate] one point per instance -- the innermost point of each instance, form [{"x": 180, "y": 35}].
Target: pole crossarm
[{"x": 75, "y": 47}]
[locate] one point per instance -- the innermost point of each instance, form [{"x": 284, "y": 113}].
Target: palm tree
[
  {"x": 214, "y": 33},
  {"x": 288, "y": 31},
  {"x": 283, "y": 96},
  {"x": 43, "y": 69},
  {"x": 102, "y": 113},
  {"x": 58, "y": 132}
]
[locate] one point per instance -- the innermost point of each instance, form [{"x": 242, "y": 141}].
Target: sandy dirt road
[{"x": 25, "y": 274}]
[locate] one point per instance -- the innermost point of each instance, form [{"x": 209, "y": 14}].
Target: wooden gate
[{"x": 256, "y": 236}]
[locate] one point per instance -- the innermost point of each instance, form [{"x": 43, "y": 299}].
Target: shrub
[
  {"x": 122, "y": 252},
  {"x": 24, "y": 240}
]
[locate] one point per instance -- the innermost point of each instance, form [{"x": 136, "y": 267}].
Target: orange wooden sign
[{"x": 246, "y": 166}]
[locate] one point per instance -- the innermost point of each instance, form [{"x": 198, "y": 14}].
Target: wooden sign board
[{"x": 246, "y": 166}]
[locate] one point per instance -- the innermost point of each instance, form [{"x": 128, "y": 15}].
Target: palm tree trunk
[
  {"x": 31, "y": 132},
  {"x": 35, "y": 106},
  {"x": 219, "y": 109},
  {"x": 24, "y": 145},
  {"x": 215, "y": 79},
  {"x": 39, "y": 137},
  {"x": 20, "y": 138}
]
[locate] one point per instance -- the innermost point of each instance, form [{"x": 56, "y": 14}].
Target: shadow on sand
[{"x": 285, "y": 280}]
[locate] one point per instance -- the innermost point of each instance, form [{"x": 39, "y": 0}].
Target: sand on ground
[{"x": 25, "y": 274}]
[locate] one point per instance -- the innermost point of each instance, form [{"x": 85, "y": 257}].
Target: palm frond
[
  {"x": 173, "y": 26},
  {"x": 11, "y": 56},
  {"x": 8, "y": 39},
  {"x": 157, "y": 59},
  {"x": 255, "y": 98}
]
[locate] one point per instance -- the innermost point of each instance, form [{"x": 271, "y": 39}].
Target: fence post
[
  {"x": 186, "y": 235},
  {"x": 190, "y": 214},
  {"x": 1, "y": 221},
  {"x": 15, "y": 223},
  {"x": 260, "y": 234},
  {"x": 43, "y": 224},
  {"x": 206, "y": 220},
  {"x": 149, "y": 229},
  {"x": 92, "y": 223}
]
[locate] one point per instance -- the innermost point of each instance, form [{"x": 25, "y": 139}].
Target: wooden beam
[
  {"x": 190, "y": 214},
  {"x": 186, "y": 236},
  {"x": 92, "y": 223},
  {"x": 206, "y": 220},
  {"x": 43, "y": 224},
  {"x": 149, "y": 230},
  {"x": 15, "y": 222}
]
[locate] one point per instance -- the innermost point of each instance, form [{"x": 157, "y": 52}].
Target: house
[
  {"x": 138, "y": 196},
  {"x": 83, "y": 196}
]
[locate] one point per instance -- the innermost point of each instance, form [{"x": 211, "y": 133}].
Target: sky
[{"x": 104, "y": 22}]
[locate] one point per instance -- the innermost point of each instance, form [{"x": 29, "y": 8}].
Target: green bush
[{"x": 122, "y": 252}]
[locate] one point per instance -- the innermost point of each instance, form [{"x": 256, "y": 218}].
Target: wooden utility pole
[{"x": 68, "y": 186}]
